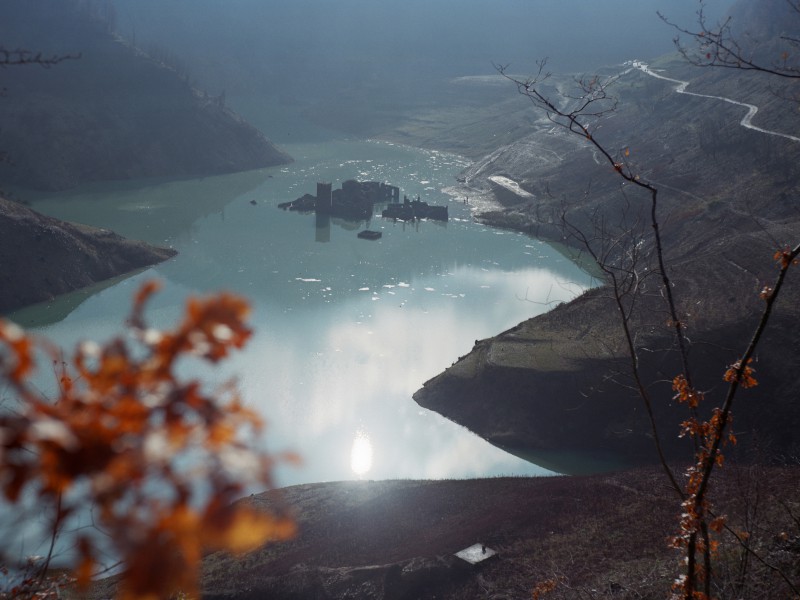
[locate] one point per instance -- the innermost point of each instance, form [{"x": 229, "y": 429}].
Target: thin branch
[
  {"x": 787, "y": 260},
  {"x": 619, "y": 293},
  {"x": 574, "y": 120},
  {"x": 750, "y": 552},
  {"x": 718, "y": 47},
  {"x": 593, "y": 103},
  {"x": 20, "y": 56},
  {"x": 57, "y": 520},
  {"x": 736, "y": 376}
]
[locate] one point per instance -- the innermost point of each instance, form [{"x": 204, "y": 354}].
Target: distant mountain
[
  {"x": 114, "y": 113},
  {"x": 361, "y": 66},
  {"x": 41, "y": 257},
  {"x": 760, "y": 23}
]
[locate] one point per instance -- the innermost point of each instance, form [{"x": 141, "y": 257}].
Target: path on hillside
[{"x": 746, "y": 121}]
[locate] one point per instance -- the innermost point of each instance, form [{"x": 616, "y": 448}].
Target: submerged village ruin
[{"x": 356, "y": 200}]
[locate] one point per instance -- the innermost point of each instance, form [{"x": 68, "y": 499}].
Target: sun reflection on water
[{"x": 361, "y": 454}]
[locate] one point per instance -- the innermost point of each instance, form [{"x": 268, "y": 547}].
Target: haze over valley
[{"x": 611, "y": 216}]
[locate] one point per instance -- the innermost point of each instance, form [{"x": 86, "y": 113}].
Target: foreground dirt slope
[{"x": 396, "y": 539}]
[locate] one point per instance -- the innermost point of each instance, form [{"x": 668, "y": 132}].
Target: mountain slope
[
  {"x": 728, "y": 199},
  {"x": 114, "y": 113}
]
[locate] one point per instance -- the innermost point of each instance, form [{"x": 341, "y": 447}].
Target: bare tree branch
[
  {"x": 717, "y": 46},
  {"x": 20, "y": 56},
  {"x": 617, "y": 257},
  {"x": 577, "y": 115}
]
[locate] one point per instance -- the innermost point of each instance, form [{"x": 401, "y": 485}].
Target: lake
[{"x": 346, "y": 329}]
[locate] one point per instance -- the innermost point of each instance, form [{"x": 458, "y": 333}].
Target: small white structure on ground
[{"x": 476, "y": 553}]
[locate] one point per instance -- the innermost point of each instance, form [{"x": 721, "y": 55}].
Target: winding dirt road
[{"x": 746, "y": 121}]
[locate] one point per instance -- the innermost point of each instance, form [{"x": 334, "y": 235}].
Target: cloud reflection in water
[{"x": 323, "y": 375}]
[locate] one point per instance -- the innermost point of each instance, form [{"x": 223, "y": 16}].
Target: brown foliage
[{"x": 129, "y": 437}]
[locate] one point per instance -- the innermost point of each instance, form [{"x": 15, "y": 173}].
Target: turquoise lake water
[{"x": 346, "y": 329}]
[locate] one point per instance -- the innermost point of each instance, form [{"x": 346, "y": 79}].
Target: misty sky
[
  {"x": 314, "y": 41},
  {"x": 362, "y": 65}
]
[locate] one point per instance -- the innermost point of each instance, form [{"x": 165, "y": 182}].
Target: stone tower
[{"x": 324, "y": 201}]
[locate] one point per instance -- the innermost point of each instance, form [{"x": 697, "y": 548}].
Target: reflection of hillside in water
[
  {"x": 154, "y": 211},
  {"x": 58, "y": 309},
  {"x": 157, "y": 212}
]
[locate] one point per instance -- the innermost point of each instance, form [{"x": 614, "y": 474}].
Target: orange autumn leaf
[
  {"x": 743, "y": 376},
  {"x": 21, "y": 349},
  {"x": 85, "y": 569},
  {"x": 544, "y": 588},
  {"x": 144, "y": 293},
  {"x": 718, "y": 524},
  {"x": 245, "y": 530},
  {"x": 685, "y": 393},
  {"x": 783, "y": 257}
]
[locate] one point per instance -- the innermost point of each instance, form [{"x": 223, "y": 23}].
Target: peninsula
[{"x": 60, "y": 257}]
